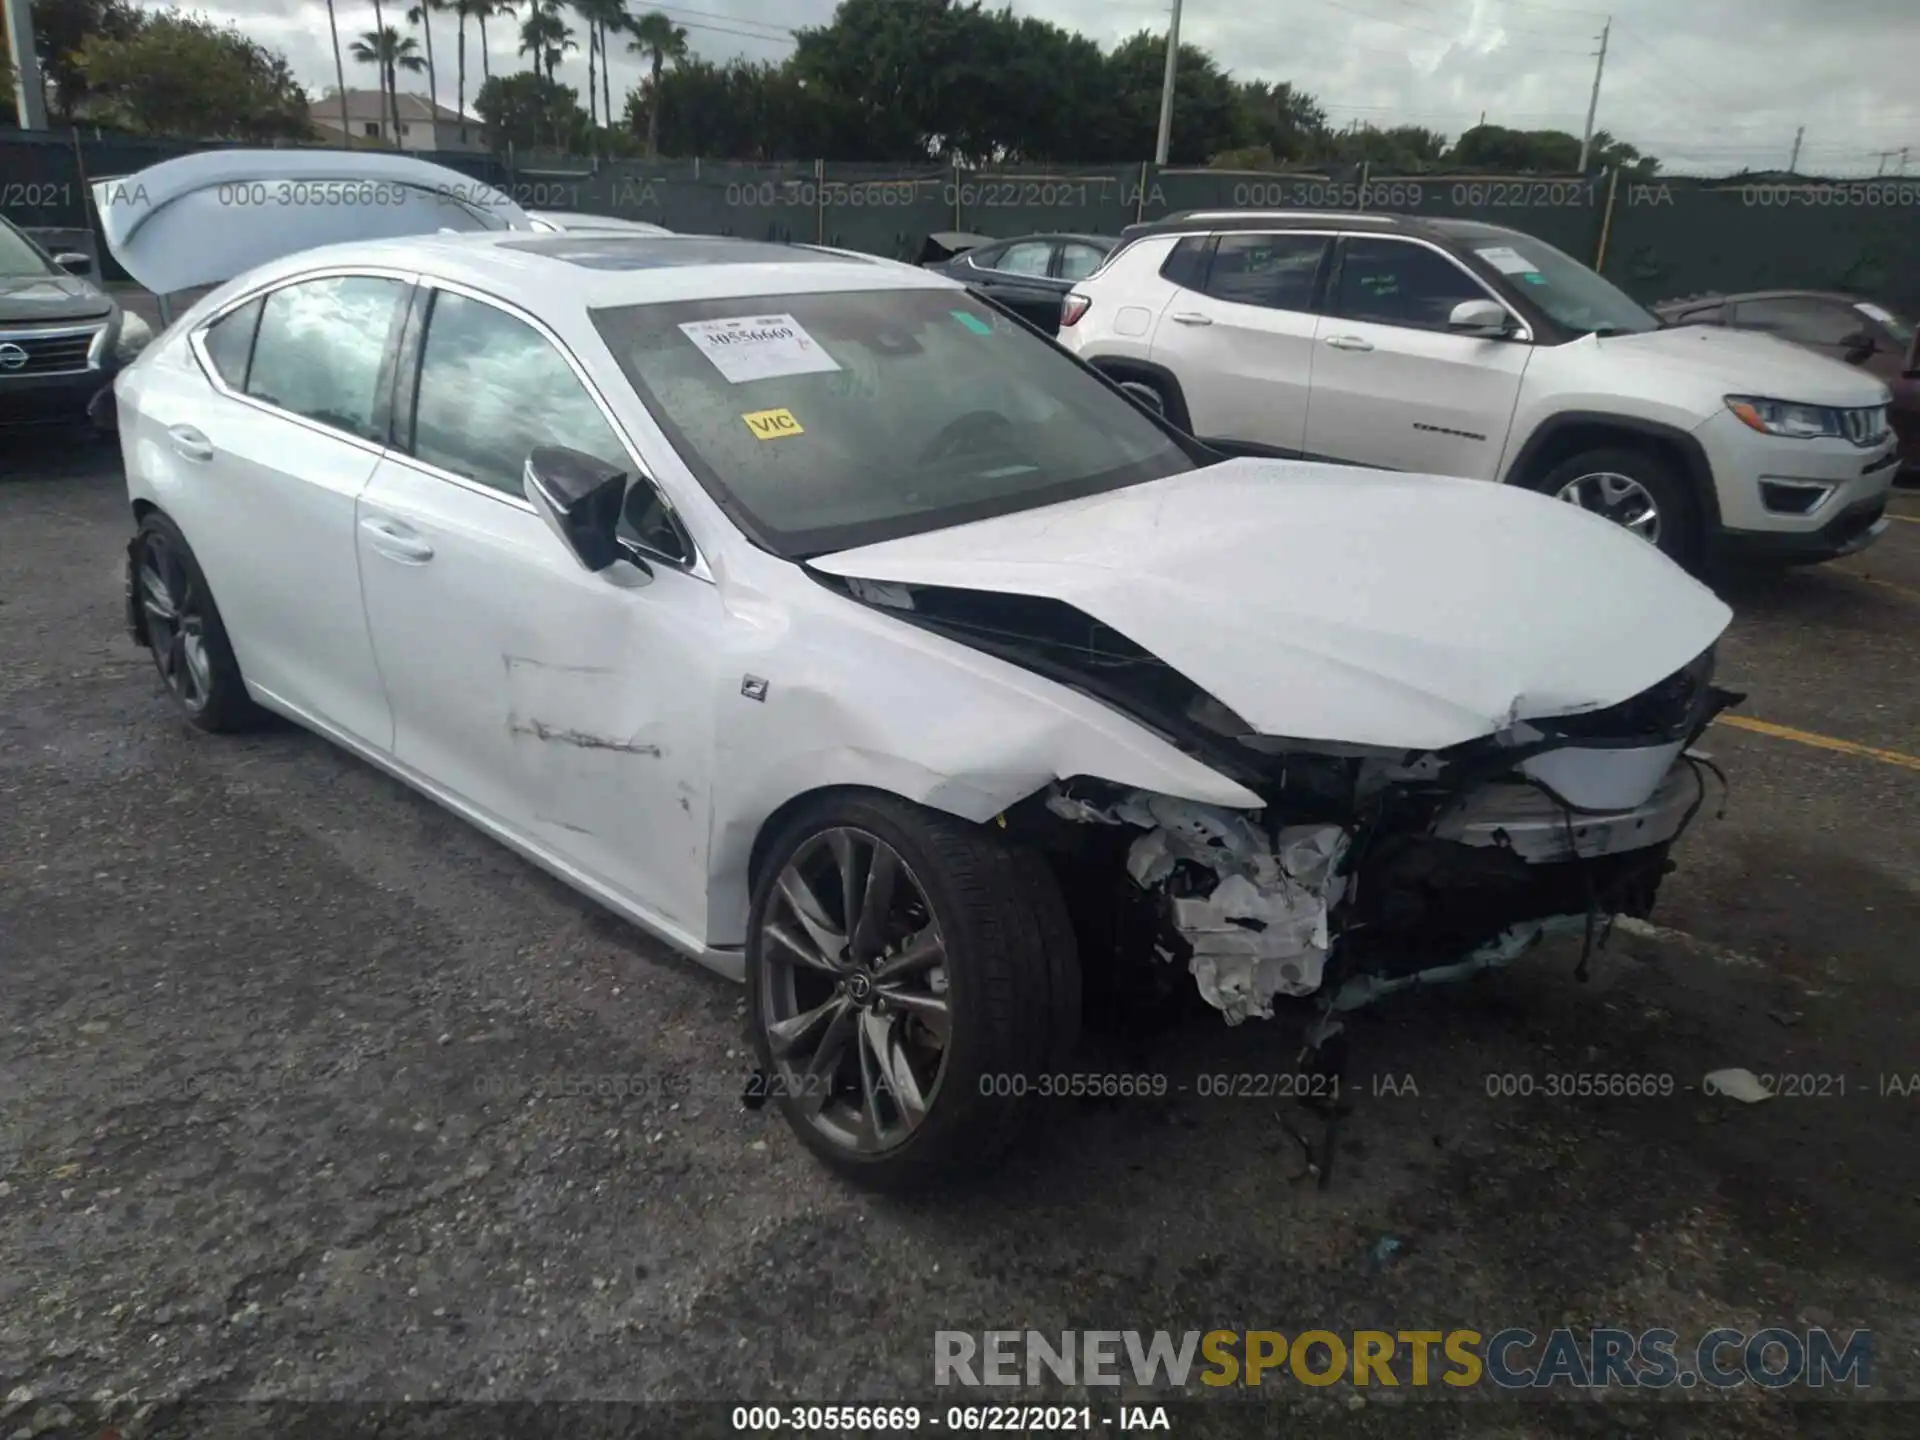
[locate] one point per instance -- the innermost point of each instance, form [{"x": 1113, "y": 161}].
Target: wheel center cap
[{"x": 860, "y": 987}]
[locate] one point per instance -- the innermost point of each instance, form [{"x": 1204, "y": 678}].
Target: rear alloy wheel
[
  {"x": 905, "y": 976},
  {"x": 1632, "y": 489},
  {"x": 183, "y": 630}
]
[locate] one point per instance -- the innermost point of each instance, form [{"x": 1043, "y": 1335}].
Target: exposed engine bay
[{"x": 1368, "y": 867}]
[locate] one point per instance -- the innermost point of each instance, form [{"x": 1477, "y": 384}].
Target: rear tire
[
  {"x": 184, "y": 632},
  {"x": 906, "y": 1053},
  {"x": 1636, "y": 490}
]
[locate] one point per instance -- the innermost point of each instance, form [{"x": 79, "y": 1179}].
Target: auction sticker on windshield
[
  {"x": 772, "y": 424},
  {"x": 758, "y": 347},
  {"x": 1507, "y": 260}
]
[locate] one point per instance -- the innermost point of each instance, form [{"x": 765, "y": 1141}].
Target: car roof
[
  {"x": 581, "y": 220},
  {"x": 613, "y": 269},
  {"x": 1189, "y": 222}
]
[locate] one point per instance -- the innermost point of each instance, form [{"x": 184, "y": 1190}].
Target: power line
[{"x": 1437, "y": 34}]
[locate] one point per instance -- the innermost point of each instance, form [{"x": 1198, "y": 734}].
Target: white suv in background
[{"x": 1456, "y": 348}]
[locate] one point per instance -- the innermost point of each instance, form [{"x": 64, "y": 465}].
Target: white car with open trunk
[{"x": 839, "y": 630}]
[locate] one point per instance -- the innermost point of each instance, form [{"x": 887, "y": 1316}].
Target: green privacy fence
[{"x": 1654, "y": 238}]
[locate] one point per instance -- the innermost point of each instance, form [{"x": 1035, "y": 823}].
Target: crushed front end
[{"x": 1368, "y": 869}]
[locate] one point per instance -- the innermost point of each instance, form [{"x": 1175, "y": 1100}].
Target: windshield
[
  {"x": 18, "y": 257},
  {"x": 826, "y": 421},
  {"x": 1901, "y": 329},
  {"x": 1568, "y": 291}
]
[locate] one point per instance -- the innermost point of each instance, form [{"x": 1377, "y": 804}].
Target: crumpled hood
[
  {"x": 1746, "y": 362},
  {"x": 1326, "y": 603},
  {"x": 38, "y": 298}
]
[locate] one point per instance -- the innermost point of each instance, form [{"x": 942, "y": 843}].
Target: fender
[{"x": 1699, "y": 473}]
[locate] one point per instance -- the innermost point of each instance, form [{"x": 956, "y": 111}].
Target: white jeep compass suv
[{"x": 1453, "y": 347}]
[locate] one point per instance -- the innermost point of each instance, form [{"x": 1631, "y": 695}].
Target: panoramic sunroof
[{"x": 664, "y": 252}]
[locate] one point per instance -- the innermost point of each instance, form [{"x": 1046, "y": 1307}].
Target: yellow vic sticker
[{"x": 772, "y": 424}]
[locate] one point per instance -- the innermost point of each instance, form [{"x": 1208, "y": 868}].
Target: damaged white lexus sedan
[{"x": 839, "y": 629}]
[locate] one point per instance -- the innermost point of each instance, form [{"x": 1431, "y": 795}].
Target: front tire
[
  {"x": 908, "y": 977},
  {"x": 183, "y": 630},
  {"x": 1635, "y": 490}
]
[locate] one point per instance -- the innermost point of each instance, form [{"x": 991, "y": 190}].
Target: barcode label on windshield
[{"x": 758, "y": 347}]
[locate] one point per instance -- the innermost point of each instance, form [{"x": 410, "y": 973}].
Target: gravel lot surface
[{"x": 278, "y": 1114}]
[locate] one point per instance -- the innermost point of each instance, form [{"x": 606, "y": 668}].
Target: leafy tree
[
  {"x": 184, "y": 75},
  {"x": 1209, "y": 113},
  {"x": 392, "y": 52},
  {"x": 659, "y": 40},
  {"x": 1496, "y": 148},
  {"x": 525, "y": 110},
  {"x": 1288, "y": 123},
  {"x": 546, "y": 37},
  {"x": 60, "y": 29}
]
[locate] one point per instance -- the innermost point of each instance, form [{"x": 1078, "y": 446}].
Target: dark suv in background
[
  {"x": 1859, "y": 332},
  {"x": 62, "y": 338}
]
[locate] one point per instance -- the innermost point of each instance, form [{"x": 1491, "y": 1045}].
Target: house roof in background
[{"x": 372, "y": 105}]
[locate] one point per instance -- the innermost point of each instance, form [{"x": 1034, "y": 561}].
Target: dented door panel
[{"x": 574, "y": 711}]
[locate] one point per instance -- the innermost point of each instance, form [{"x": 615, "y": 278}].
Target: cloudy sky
[{"x": 1707, "y": 85}]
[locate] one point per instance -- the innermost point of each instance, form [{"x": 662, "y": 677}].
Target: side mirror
[
  {"x": 1145, "y": 396},
  {"x": 1485, "y": 318},
  {"x": 1859, "y": 347},
  {"x": 580, "y": 498},
  {"x": 74, "y": 263}
]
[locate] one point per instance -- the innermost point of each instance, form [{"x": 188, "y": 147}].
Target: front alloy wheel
[
  {"x": 908, "y": 973},
  {"x": 1636, "y": 489},
  {"x": 1619, "y": 498},
  {"x": 854, "y": 991}
]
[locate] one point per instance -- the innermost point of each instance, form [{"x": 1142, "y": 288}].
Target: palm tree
[
  {"x": 484, "y": 10},
  {"x": 393, "y": 101},
  {"x": 392, "y": 52},
  {"x": 546, "y": 36},
  {"x": 422, "y": 15},
  {"x": 465, "y": 10},
  {"x": 602, "y": 17},
  {"x": 658, "y": 38},
  {"x": 340, "y": 74}
]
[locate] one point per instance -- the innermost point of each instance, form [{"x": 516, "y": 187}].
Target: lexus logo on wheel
[{"x": 12, "y": 357}]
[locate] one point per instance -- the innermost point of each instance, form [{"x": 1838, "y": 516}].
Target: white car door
[
  {"x": 260, "y": 462},
  {"x": 566, "y": 709},
  {"x": 1392, "y": 386},
  {"x": 1242, "y": 343}
]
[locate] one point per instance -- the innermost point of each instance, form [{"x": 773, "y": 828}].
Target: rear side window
[
  {"x": 1395, "y": 282},
  {"x": 1801, "y": 319},
  {"x": 1078, "y": 260},
  {"x": 1275, "y": 272},
  {"x": 1028, "y": 257},
  {"x": 1186, "y": 263},
  {"x": 229, "y": 342},
  {"x": 321, "y": 349},
  {"x": 492, "y": 390}
]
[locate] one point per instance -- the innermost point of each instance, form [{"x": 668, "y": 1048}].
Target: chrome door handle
[
  {"x": 190, "y": 444},
  {"x": 1190, "y": 317},
  {"x": 1349, "y": 342},
  {"x": 396, "y": 542}
]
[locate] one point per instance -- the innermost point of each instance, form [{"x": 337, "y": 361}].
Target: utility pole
[
  {"x": 1903, "y": 160},
  {"x": 1593, "y": 104},
  {"x": 1166, "y": 86},
  {"x": 1793, "y": 161},
  {"x": 29, "y": 97}
]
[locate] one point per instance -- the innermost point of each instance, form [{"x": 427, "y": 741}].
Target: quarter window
[
  {"x": 229, "y": 342},
  {"x": 1275, "y": 272},
  {"x": 1392, "y": 282},
  {"x": 321, "y": 348},
  {"x": 492, "y": 390}
]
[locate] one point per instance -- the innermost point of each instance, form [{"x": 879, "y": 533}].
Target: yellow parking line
[
  {"x": 1820, "y": 742},
  {"x": 1904, "y": 519},
  {"x": 1906, "y": 590}
]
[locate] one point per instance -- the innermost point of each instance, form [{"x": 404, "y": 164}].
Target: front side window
[
  {"x": 1801, "y": 319},
  {"x": 1395, "y": 282},
  {"x": 492, "y": 390},
  {"x": 1276, "y": 272},
  {"x": 1029, "y": 257},
  {"x": 320, "y": 349},
  {"x": 825, "y": 421}
]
